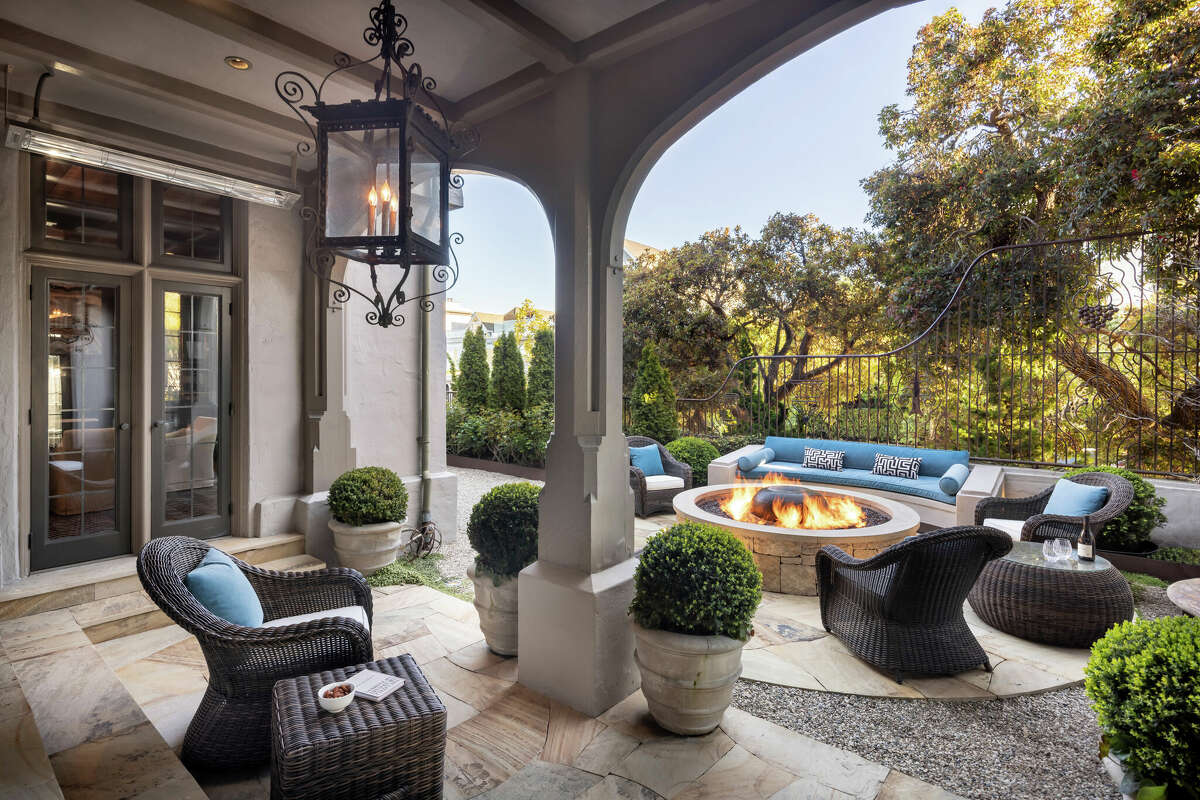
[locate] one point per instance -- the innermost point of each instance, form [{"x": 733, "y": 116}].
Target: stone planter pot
[
  {"x": 687, "y": 680},
  {"x": 497, "y": 607},
  {"x": 366, "y": 548}
]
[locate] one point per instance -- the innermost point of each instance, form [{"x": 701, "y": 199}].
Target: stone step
[
  {"x": 81, "y": 584},
  {"x": 300, "y": 563},
  {"x": 120, "y": 615}
]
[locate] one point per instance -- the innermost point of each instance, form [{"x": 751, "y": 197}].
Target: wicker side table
[
  {"x": 391, "y": 749},
  {"x": 1066, "y": 603}
]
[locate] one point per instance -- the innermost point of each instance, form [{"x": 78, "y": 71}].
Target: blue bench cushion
[
  {"x": 921, "y": 486},
  {"x": 861, "y": 455},
  {"x": 954, "y": 478},
  {"x": 747, "y": 463}
]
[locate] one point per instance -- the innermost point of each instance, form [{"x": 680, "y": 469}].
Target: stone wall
[{"x": 12, "y": 297}]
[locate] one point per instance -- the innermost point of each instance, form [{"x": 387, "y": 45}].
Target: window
[
  {"x": 80, "y": 209},
  {"x": 191, "y": 228}
]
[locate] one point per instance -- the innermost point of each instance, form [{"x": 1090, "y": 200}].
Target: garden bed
[{"x": 516, "y": 470}]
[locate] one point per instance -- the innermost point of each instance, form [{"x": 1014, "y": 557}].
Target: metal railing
[{"x": 1063, "y": 353}]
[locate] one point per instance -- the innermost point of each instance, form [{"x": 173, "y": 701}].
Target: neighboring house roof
[
  {"x": 634, "y": 250},
  {"x": 512, "y": 312},
  {"x": 484, "y": 316}
]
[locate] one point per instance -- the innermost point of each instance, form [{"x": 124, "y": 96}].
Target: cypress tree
[
  {"x": 652, "y": 406},
  {"x": 508, "y": 374},
  {"x": 541, "y": 369},
  {"x": 473, "y": 370}
]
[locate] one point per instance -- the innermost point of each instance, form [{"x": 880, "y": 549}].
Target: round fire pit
[{"x": 787, "y": 557}]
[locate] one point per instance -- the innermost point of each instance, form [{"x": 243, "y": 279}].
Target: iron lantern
[{"x": 383, "y": 173}]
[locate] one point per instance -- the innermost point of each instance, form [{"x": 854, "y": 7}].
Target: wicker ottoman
[
  {"x": 1066, "y": 603},
  {"x": 391, "y": 749}
]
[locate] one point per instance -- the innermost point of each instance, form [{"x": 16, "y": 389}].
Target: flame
[
  {"x": 372, "y": 198},
  {"x": 817, "y": 511},
  {"x": 385, "y": 193}
]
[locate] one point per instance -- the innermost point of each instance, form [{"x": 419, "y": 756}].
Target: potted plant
[
  {"x": 367, "y": 506},
  {"x": 503, "y": 531},
  {"x": 695, "y": 592},
  {"x": 1142, "y": 682}
]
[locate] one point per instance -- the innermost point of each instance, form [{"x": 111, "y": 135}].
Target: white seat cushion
[
  {"x": 656, "y": 482},
  {"x": 356, "y": 613},
  {"x": 1010, "y": 526}
]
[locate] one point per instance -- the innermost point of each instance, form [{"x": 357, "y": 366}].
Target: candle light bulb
[
  {"x": 395, "y": 211},
  {"x": 372, "y": 202},
  {"x": 385, "y": 192},
  {"x": 373, "y": 198}
]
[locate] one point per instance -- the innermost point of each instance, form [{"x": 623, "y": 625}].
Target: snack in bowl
[{"x": 335, "y": 697}]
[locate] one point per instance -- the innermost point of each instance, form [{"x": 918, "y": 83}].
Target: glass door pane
[
  {"x": 191, "y": 395},
  {"x": 81, "y": 435}
]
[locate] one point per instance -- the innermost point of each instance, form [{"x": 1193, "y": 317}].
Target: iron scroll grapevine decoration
[{"x": 390, "y": 140}]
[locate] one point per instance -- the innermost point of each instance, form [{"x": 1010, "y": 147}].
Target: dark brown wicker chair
[
  {"x": 647, "y": 501},
  {"x": 902, "y": 610},
  {"x": 232, "y": 726},
  {"x": 1039, "y": 527}
]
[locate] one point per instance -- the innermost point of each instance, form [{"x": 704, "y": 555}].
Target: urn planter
[
  {"x": 687, "y": 680},
  {"x": 497, "y": 607},
  {"x": 366, "y": 548}
]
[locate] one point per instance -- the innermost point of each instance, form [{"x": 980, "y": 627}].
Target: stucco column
[{"x": 574, "y": 637}]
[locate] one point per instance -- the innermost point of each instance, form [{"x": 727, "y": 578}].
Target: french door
[
  {"x": 79, "y": 417},
  {"x": 191, "y": 408}
]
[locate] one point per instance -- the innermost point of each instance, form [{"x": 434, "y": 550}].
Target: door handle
[
  {"x": 160, "y": 423},
  {"x": 124, "y": 426}
]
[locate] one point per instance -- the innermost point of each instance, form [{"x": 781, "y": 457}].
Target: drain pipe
[{"x": 426, "y": 449}]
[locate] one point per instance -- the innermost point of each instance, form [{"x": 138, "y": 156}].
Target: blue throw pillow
[
  {"x": 953, "y": 479},
  {"x": 647, "y": 459},
  {"x": 1070, "y": 499},
  {"x": 222, "y": 588},
  {"x": 758, "y": 457}
]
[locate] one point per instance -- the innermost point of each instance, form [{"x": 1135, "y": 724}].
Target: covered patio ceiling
[{"x": 151, "y": 73}]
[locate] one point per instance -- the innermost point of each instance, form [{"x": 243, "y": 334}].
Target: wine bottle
[{"x": 1087, "y": 542}]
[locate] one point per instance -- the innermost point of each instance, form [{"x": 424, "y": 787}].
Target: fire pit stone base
[{"x": 787, "y": 557}]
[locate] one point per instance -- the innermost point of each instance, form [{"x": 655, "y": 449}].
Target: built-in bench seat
[{"x": 939, "y": 502}]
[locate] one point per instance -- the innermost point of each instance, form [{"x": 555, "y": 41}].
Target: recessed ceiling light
[{"x": 237, "y": 62}]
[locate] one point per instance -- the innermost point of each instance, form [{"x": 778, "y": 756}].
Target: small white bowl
[{"x": 334, "y": 704}]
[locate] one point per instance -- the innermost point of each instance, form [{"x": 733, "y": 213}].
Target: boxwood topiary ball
[
  {"x": 503, "y": 529},
  {"x": 368, "y": 495},
  {"x": 696, "y": 579},
  {"x": 696, "y": 453}
]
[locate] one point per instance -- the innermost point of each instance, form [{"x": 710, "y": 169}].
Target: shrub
[
  {"x": 472, "y": 385},
  {"x": 1178, "y": 555},
  {"x": 1143, "y": 681},
  {"x": 1131, "y": 530},
  {"x": 503, "y": 530},
  {"x": 696, "y": 453},
  {"x": 727, "y": 443},
  {"x": 508, "y": 374},
  {"x": 499, "y": 435},
  {"x": 368, "y": 495},
  {"x": 652, "y": 404},
  {"x": 540, "y": 388},
  {"x": 696, "y": 579}
]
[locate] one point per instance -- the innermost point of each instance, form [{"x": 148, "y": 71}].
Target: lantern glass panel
[
  {"x": 426, "y": 194},
  {"x": 363, "y": 172}
]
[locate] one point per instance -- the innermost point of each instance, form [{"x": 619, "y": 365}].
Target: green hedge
[
  {"x": 1144, "y": 682},
  {"x": 696, "y": 453},
  {"x": 368, "y": 495},
  {"x": 1130, "y": 531},
  {"x": 696, "y": 579},
  {"x": 1177, "y": 555},
  {"x": 498, "y": 435},
  {"x": 503, "y": 530}
]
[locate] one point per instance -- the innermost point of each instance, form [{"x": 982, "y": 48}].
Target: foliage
[
  {"x": 508, "y": 374},
  {"x": 696, "y": 453},
  {"x": 1138, "y": 582},
  {"x": 696, "y": 579},
  {"x": 652, "y": 403},
  {"x": 368, "y": 495},
  {"x": 1143, "y": 681},
  {"x": 421, "y": 571},
  {"x": 530, "y": 321},
  {"x": 1177, "y": 555},
  {"x": 1130, "y": 531},
  {"x": 503, "y": 530},
  {"x": 472, "y": 388},
  {"x": 499, "y": 435},
  {"x": 540, "y": 388},
  {"x": 727, "y": 443}
]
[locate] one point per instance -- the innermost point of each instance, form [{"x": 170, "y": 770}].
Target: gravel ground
[
  {"x": 472, "y": 485},
  {"x": 1022, "y": 748},
  {"x": 1153, "y": 604}
]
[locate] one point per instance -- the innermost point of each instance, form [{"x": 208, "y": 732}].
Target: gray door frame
[
  {"x": 44, "y": 553},
  {"x": 211, "y": 526}
]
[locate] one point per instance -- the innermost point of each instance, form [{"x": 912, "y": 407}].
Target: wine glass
[
  {"x": 1062, "y": 549},
  {"x": 1048, "y": 551}
]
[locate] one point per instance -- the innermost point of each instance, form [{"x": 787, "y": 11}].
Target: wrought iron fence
[{"x": 1063, "y": 353}]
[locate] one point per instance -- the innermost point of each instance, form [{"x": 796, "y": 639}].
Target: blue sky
[{"x": 799, "y": 140}]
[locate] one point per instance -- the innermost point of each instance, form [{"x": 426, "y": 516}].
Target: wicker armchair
[
  {"x": 1039, "y": 527},
  {"x": 902, "y": 610},
  {"x": 231, "y": 728},
  {"x": 647, "y": 500}
]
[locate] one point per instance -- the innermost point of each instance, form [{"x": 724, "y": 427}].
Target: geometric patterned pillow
[
  {"x": 897, "y": 466},
  {"x": 832, "y": 460}
]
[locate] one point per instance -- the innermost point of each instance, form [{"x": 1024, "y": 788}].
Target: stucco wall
[
  {"x": 275, "y": 346},
  {"x": 12, "y": 295}
]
